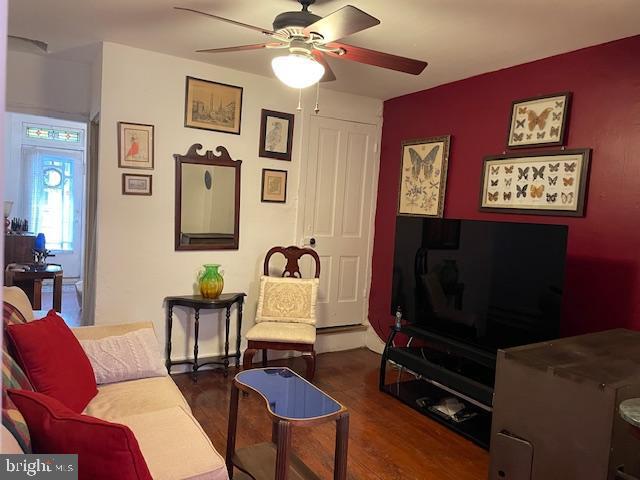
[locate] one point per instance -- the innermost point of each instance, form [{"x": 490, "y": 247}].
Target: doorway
[
  {"x": 45, "y": 186},
  {"x": 338, "y": 213}
]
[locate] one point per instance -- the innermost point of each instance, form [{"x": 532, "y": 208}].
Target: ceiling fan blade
[
  {"x": 328, "y": 76},
  {"x": 266, "y": 31},
  {"x": 240, "y": 48},
  {"x": 379, "y": 59},
  {"x": 342, "y": 23}
]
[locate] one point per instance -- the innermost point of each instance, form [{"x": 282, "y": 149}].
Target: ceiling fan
[{"x": 309, "y": 38}]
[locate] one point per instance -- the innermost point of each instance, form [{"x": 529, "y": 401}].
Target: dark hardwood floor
[{"x": 387, "y": 440}]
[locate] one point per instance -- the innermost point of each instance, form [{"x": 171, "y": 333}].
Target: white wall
[
  {"x": 95, "y": 84},
  {"x": 136, "y": 262},
  {"x": 49, "y": 86},
  {"x": 3, "y": 52},
  {"x": 12, "y": 162}
]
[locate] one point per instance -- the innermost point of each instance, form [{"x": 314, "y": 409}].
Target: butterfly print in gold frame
[
  {"x": 539, "y": 121},
  {"x": 523, "y": 185},
  {"x": 423, "y": 176}
]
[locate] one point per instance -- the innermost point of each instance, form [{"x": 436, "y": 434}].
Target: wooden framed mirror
[{"x": 207, "y": 215}]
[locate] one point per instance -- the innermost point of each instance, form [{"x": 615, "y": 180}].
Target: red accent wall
[{"x": 602, "y": 285}]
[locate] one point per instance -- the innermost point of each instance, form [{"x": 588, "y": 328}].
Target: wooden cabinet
[
  {"x": 555, "y": 410},
  {"x": 18, "y": 248}
]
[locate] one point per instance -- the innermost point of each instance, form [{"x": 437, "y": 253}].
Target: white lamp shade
[
  {"x": 297, "y": 71},
  {"x": 7, "y": 208}
]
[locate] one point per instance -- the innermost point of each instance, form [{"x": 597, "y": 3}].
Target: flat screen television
[{"x": 489, "y": 284}]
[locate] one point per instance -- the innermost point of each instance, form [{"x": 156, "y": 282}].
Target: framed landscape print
[
  {"x": 276, "y": 135},
  {"x": 549, "y": 183},
  {"x": 539, "y": 121},
  {"x": 212, "y": 106},
  {"x": 134, "y": 184},
  {"x": 135, "y": 145},
  {"x": 423, "y": 176},
  {"x": 274, "y": 186}
]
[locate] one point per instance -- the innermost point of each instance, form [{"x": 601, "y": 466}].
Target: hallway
[{"x": 71, "y": 309}]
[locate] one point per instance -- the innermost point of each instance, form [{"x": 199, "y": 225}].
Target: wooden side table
[
  {"x": 197, "y": 303},
  {"x": 31, "y": 282},
  {"x": 291, "y": 401}
]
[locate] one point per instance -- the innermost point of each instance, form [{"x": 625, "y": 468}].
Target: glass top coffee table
[{"x": 290, "y": 401}]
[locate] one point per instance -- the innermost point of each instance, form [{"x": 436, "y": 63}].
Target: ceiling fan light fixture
[{"x": 297, "y": 70}]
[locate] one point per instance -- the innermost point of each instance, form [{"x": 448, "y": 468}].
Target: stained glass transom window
[{"x": 55, "y": 134}]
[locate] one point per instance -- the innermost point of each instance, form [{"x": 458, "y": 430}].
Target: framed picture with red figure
[{"x": 135, "y": 145}]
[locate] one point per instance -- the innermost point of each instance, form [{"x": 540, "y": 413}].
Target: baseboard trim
[
  {"x": 373, "y": 341},
  {"x": 341, "y": 329}
]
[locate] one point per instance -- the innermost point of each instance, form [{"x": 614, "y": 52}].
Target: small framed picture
[
  {"x": 212, "y": 106},
  {"x": 135, "y": 145},
  {"x": 134, "y": 184},
  {"x": 274, "y": 186},
  {"x": 423, "y": 177},
  {"x": 538, "y": 183},
  {"x": 539, "y": 121},
  {"x": 276, "y": 135}
]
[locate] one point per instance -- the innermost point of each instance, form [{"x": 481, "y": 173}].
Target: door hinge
[{"x": 375, "y": 147}]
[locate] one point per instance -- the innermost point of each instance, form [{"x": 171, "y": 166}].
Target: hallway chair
[{"x": 286, "y": 315}]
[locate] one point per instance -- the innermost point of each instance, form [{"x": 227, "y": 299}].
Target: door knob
[{"x": 312, "y": 242}]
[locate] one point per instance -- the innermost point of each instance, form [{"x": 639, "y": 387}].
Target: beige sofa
[{"x": 171, "y": 440}]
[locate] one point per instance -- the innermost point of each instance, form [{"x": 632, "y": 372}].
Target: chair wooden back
[{"x": 292, "y": 254}]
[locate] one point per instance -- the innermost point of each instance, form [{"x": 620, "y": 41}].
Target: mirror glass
[{"x": 207, "y": 199}]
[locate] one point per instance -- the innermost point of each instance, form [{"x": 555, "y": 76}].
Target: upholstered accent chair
[{"x": 286, "y": 315}]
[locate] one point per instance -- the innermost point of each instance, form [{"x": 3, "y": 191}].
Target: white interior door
[{"x": 337, "y": 215}]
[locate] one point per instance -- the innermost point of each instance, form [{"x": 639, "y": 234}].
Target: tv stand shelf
[
  {"x": 477, "y": 429},
  {"x": 440, "y": 368}
]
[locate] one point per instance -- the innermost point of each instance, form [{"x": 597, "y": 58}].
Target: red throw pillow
[
  {"x": 54, "y": 361},
  {"x": 105, "y": 450}
]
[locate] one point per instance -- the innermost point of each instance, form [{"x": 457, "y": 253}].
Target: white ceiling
[{"x": 459, "y": 38}]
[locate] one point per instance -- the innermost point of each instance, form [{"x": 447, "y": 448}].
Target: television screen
[{"x": 489, "y": 284}]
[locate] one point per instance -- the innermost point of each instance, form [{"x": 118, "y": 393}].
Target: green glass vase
[{"x": 210, "y": 281}]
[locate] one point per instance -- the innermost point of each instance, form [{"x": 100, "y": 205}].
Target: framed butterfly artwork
[
  {"x": 539, "y": 121},
  {"x": 423, "y": 176},
  {"x": 548, "y": 183}
]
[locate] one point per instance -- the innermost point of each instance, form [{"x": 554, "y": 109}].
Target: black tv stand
[{"x": 433, "y": 368}]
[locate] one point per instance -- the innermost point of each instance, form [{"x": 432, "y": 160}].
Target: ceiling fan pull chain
[
  {"x": 317, "y": 107},
  {"x": 299, "y": 100}
]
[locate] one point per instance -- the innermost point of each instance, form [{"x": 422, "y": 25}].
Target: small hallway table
[
  {"x": 197, "y": 303},
  {"x": 290, "y": 401},
  {"x": 29, "y": 278}
]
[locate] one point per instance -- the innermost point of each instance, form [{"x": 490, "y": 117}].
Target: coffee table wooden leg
[
  {"x": 57, "y": 293},
  {"x": 283, "y": 444},
  {"x": 342, "y": 440},
  {"x": 37, "y": 294},
  {"x": 231, "y": 433}
]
